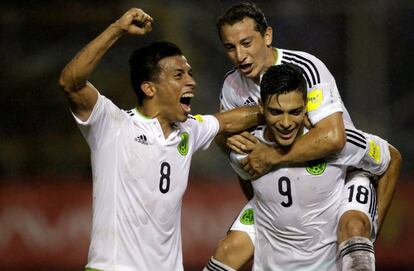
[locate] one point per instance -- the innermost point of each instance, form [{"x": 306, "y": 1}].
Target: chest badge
[
  {"x": 183, "y": 145},
  {"x": 316, "y": 167},
  {"x": 247, "y": 218}
]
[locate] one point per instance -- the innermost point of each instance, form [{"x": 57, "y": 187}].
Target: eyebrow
[
  {"x": 240, "y": 41},
  {"x": 245, "y": 39},
  {"x": 190, "y": 70},
  {"x": 290, "y": 110}
]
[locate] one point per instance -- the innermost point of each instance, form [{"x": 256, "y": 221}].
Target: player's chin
[
  {"x": 182, "y": 117},
  {"x": 285, "y": 141}
]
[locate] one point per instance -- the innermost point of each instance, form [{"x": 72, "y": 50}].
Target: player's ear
[
  {"x": 268, "y": 36},
  {"x": 148, "y": 88},
  {"x": 261, "y": 107}
]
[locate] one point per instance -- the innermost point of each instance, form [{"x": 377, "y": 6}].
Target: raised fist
[{"x": 135, "y": 21}]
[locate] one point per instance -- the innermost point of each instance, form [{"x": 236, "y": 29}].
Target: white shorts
[
  {"x": 360, "y": 195},
  {"x": 245, "y": 221}
]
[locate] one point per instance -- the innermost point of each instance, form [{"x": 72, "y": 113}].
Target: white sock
[
  {"x": 214, "y": 265},
  {"x": 357, "y": 253}
]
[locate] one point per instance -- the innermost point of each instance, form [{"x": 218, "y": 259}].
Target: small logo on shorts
[
  {"x": 247, "y": 217},
  {"x": 315, "y": 167}
]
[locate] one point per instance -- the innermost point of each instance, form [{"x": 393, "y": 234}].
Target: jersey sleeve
[
  {"x": 365, "y": 151},
  {"x": 323, "y": 97},
  {"x": 235, "y": 160},
  {"x": 204, "y": 129},
  {"x": 101, "y": 126}
]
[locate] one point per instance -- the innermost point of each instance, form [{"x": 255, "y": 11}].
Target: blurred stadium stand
[{"x": 45, "y": 224}]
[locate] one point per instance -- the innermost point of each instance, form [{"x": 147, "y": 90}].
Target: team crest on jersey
[
  {"x": 316, "y": 167},
  {"x": 315, "y": 98},
  {"x": 247, "y": 217},
  {"x": 183, "y": 145}
]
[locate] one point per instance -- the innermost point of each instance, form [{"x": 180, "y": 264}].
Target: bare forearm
[
  {"x": 387, "y": 184},
  {"x": 314, "y": 145},
  {"x": 240, "y": 119},
  {"x": 76, "y": 73}
]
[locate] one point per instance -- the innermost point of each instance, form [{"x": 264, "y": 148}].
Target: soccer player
[
  {"x": 296, "y": 206},
  {"x": 247, "y": 39},
  {"x": 141, "y": 158}
]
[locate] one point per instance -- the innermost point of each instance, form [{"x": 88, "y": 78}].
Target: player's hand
[
  {"x": 135, "y": 21},
  {"x": 242, "y": 143},
  {"x": 260, "y": 160}
]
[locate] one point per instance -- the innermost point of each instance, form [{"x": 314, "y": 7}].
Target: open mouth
[
  {"x": 185, "y": 101},
  {"x": 286, "y": 134},
  {"x": 245, "y": 68}
]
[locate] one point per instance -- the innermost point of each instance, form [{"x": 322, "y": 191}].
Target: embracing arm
[
  {"x": 387, "y": 183},
  {"x": 74, "y": 77},
  {"x": 239, "y": 119},
  {"x": 327, "y": 137}
]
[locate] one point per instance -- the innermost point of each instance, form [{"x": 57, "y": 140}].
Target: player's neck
[
  {"x": 271, "y": 60},
  {"x": 152, "y": 112},
  {"x": 275, "y": 55},
  {"x": 166, "y": 126},
  {"x": 269, "y": 137},
  {"x": 146, "y": 111}
]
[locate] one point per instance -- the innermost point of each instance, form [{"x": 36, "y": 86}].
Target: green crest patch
[
  {"x": 183, "y": 145},
  {"x": 316, "y": 167},
  {"x": 247, "y": 217}
]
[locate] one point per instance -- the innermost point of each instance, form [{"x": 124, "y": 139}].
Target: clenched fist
[{"x": 135, "y": 21}]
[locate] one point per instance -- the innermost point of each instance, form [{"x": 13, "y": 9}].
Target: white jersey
[
  {"x": 139, "y": 179},
  {"x": 296, "y": 207},
  {"x": 323, "y": 95}
]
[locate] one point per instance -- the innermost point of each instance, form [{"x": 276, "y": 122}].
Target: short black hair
[
  {"x": 282, "y": 79},
  {"x": 144, "y": 64},
  {"x": 240, "y": 11}
]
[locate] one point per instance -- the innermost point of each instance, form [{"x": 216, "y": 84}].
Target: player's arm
[
  {"x": 74, "y": 77},
  {"x": 387, "y": 183},
  {"x": 227, "y": 102},
  {"x": 239, "y": 119},
  {"x": 326, "y": 137}
]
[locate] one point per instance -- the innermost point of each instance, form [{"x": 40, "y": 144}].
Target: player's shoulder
[
  {"x": 298, "y": 55},
  {"x": 236, "y": 84},
  {"x": 130, "y": 112},
  {"x": 194, "y": 121},
  {"x": 233, "y": 78},
  {"x": 314, "y": 69},
  {"x": 231, "y": 74},
  {"x": 135, "y": 115},
  {"x": 364, "y": 140},
  {"x": 358, "y": 141}
]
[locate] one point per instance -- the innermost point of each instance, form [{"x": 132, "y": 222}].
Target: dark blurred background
[{"x": 367, "y": 45}]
